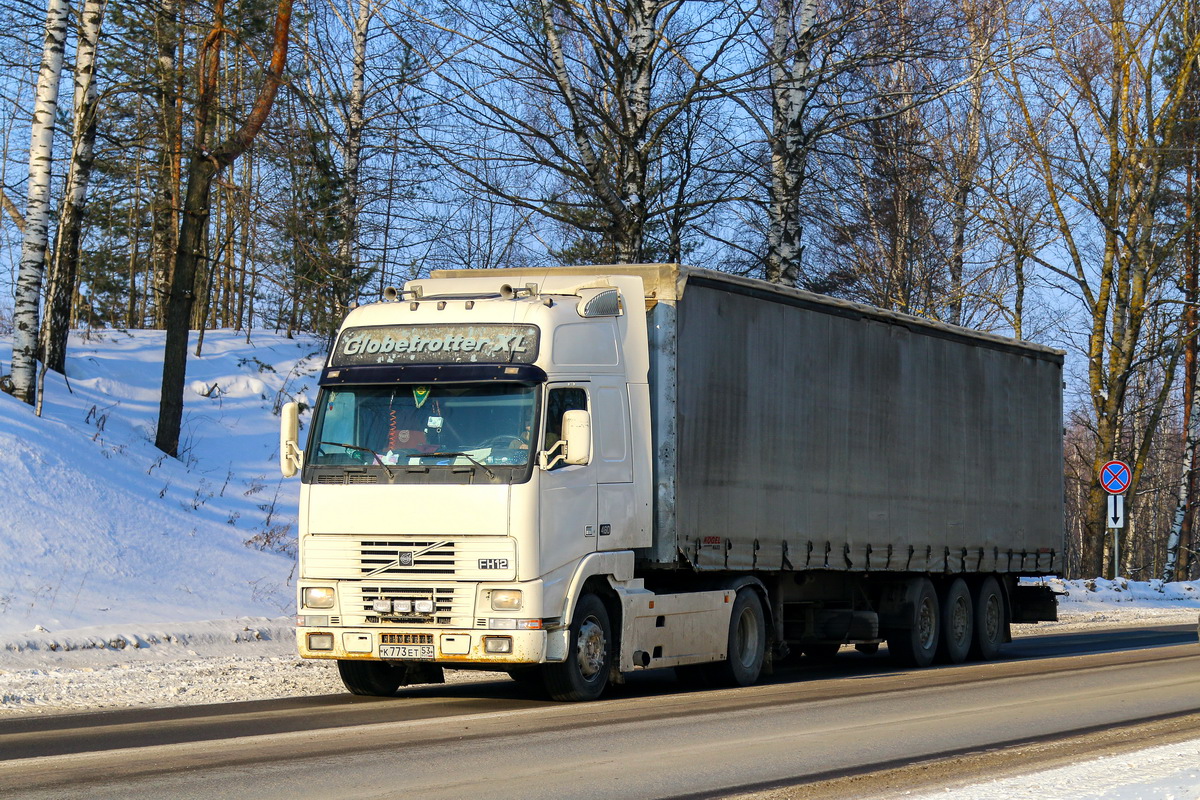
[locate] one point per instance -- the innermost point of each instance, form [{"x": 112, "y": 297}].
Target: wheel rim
[
  {"x": 747, "y": 638},
  {"x": 927, "y": 624},
  {"x": 991, "y": 618},
  {"x": 591, "y": 649},
  {"x": 960, "y": 622}
]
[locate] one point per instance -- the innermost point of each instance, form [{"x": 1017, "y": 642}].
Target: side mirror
[
  {"x": 575, "y": 446},
  {"x": 577, "y": 433},
  {"x": 291, "y": 457}
]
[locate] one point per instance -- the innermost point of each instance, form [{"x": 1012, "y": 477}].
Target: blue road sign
[{"x": 1114, "y": 477}]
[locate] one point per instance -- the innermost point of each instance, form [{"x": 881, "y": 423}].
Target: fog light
[
  {"x": 506, "y": 600},
  {"x": 318, "y": 597},
  {"x": 402, "y": 606},
  {"x": 381, "y": 606},
  {"x": 320, "y": 641},
  {"x": 497, "y": 644},
  {"x": 423, "y": 606}
]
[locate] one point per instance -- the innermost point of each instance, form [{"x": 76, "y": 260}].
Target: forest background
[{"x": 1027, "y": 167}]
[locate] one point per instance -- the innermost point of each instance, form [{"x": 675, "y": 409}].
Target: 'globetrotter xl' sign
[{"x": 436, "y": 344}]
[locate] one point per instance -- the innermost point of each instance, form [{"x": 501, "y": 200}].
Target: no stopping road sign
[{"x": 1114, "y": 477}]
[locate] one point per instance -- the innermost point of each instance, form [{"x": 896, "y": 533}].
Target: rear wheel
[
  {"x": 373, "y": 678},
  {"x": 584, "y": 673},
  {"x": 747, "y": 645},
  {"x": 991, "y": 620},
  {"x": 958, "y": 623},
  {"x": 916, "y": 645}
]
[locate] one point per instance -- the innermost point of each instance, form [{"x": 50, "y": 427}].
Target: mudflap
[{"x": 1034, "y": 604}]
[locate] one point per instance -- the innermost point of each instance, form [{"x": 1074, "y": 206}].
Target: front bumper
[{"x": 449, "y": 647}]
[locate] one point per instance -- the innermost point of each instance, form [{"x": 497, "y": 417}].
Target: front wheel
[
  {"x": 584, "y": 673},
  {"x": 747, "y": 642},
  {"x": 372, "y": 678}
]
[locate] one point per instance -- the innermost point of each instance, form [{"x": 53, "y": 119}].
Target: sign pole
[
  {"x": 1115, "y": 477},
  {"x": 1116, "y": 552}
]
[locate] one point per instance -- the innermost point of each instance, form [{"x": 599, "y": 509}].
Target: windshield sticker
[{"x": 437, "y": 344}]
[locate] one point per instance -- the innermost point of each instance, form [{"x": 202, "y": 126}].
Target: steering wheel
[{"x": 504, "y": 441}]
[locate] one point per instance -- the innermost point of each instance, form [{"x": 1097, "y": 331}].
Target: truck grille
[
  {"x": 380, "y": 558},
  {"x": 406, "y": 557}
]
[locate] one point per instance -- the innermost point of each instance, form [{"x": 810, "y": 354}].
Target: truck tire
[
  {"x": 584, "y": 673},
  {"x": 372, "y": 678},
  {"x": 916, "y": 645},
  {"x": 747, "y": 646},
  {"x": 991, "y": 620},
  {"x": 958, "y": 623}
]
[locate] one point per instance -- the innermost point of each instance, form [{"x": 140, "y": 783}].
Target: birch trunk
[
  {"x": 1191, "y": 438},
  {"x": 968, "y": 165},
  {"x": 1179, "y": 536},
  {"x": 165, "y": 213},
  {"x": 37, "y": 215},
  {"x": 352, "y": 158},
  {"x": 622, "y": 195},
  {"x": 64, "y": 265},
  {"x": 790, "y": 57}
]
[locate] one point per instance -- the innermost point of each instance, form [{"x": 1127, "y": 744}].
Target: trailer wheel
[
  {"x": 372, "y": 678},
  {"x": 584, "y": 674},
  {"x": 991, "y": 620},
  {"x": 747, "y": 642},
  {"x": 916, "y": 645},
  {"x": 958, "y": 623}
]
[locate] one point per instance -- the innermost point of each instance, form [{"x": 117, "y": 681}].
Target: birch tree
[
  {"x": 1178, "y": 559},
  {"x": 64, "y": 263},
  {"x": 980, "y": 21},
  {"x": 562, "y": 108},
  {"x": 37, "y": 214},
  {"x": 821, "y": 64}
]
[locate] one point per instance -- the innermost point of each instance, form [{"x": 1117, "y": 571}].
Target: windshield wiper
[
  {"x": 467, "y": 456},
  {"x": 361, "y": 449}
]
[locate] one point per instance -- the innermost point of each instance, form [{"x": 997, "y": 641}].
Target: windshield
[{"x": 434, "y": 425}]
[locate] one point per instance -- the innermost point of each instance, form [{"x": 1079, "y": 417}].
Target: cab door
[{"x": 568, "y": 492}]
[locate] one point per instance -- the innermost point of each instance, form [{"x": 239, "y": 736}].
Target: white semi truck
[{"x": 573, "y": 474}]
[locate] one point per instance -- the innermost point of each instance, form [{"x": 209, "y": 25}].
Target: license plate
[{"x": 407, "y": 652}]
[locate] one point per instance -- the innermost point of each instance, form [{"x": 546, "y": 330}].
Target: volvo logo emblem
[{"x": 404, "y": 559}]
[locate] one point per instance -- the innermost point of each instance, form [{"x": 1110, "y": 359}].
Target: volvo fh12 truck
[{"x": 574, "y": 474}]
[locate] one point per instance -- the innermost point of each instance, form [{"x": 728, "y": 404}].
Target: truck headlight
[
  {"x": 506, "y": 600},
  {"x": 318, "y": 597}
]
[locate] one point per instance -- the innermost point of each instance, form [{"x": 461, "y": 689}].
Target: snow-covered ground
[
  {"x": 131, "y": 579},
  {"x": 97, "y": 526}
]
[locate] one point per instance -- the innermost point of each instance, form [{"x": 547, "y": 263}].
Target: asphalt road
[{"x": 648, "y": 739}]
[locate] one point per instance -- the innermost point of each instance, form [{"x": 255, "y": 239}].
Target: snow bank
[{"x": 98, "y": 526}]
